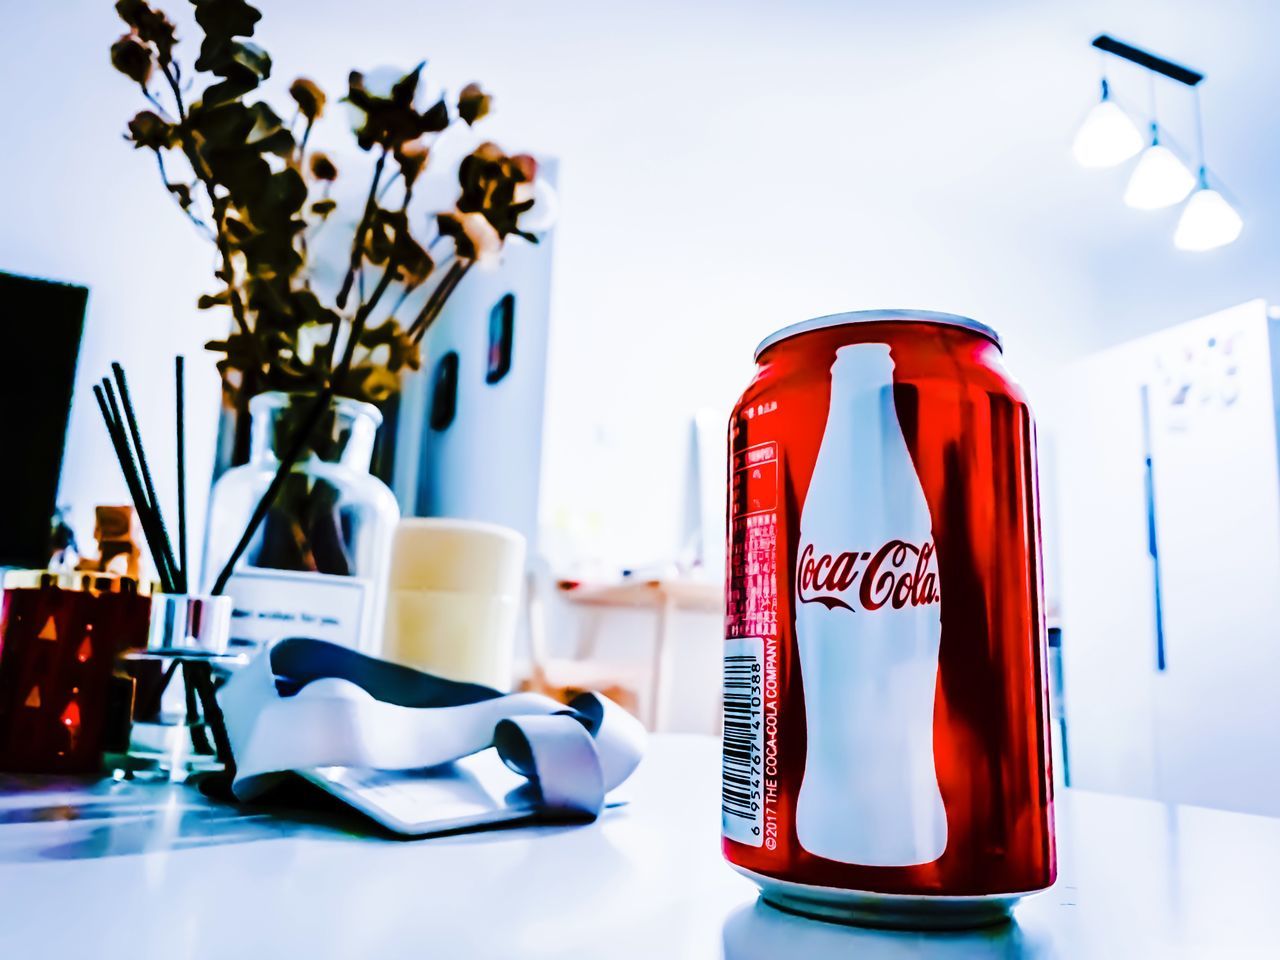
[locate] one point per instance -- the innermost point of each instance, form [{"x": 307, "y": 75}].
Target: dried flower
[
  {"x": 393, "y": 120},
  {"x": 389, "y": 241},
  {"x": 490, "y": 180},
  {"x": 309, "y": 98},
  {"x": 151, "y": 26},
  {"x": 322, "y": 168},
  {"x": 132, "y": 57},
  {"x": 259, "y": 193},
  {"x": 474, "y": 237},
  {"x": 412, "y": 158},
  {"x": 473, "y": 103},
  {"x": 148, "y": 130}
]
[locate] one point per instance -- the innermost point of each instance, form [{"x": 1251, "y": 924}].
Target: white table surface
[{"x": 124, "y": 870}]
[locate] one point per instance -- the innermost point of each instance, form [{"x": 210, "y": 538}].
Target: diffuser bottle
[{"x": 317, "y": 564}]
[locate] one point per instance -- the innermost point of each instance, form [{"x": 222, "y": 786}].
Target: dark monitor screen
[{"x": 40, "y": 327}]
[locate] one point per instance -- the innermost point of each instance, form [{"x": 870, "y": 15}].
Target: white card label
[{"x": 271, "y": 605}]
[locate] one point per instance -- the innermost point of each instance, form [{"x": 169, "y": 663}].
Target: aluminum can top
[{"x": 879, "y": 316}]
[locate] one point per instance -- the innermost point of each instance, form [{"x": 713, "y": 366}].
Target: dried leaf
[
  {"x": 376, "y": 384},
  {"x": 183, "y": 192},
  {"x": 230, "y": 138},
  {"x": 413, "y": 263},
  {"x": 400, "y": 349},
  {"x": 208, "y": 301},
  {"x": 224, "y": 19},
  {"x": 242, "y": 351},
  {"x": 436, "y": 118},
  {"x": 308, "y": 309},
  {"x": 390, "y": 240},
  {"x": 378, "y": 239},
  {"x": 322, "y": 208},
  {"x": 241, "y": 65},
  {"x": 406, "y": 88},
  {"x": 268, "y": 134},
  {"x": 274, "y": 214},
  {"x": 238, "y": 230}
]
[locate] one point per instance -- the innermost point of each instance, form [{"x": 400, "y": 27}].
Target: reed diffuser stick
[
  {"x": 119, "y": 442},
  {"x": 197, "y": 676},
  {"x": 158, "y": 516},
  {"x": 181, "y": 420}
]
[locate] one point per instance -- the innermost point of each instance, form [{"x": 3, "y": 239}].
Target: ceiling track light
[{"x": 1108, "y": 137}]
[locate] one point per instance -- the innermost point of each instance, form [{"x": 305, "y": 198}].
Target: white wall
[{"x": 728, "y": 168}]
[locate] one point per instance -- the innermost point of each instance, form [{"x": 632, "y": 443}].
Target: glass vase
[{"x": 317, "y": 565}]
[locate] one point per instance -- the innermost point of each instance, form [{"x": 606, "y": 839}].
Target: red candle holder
[{"x": 60, "y": 634}]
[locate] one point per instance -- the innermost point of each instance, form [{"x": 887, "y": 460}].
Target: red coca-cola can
[{"x": 886, "y": 754}]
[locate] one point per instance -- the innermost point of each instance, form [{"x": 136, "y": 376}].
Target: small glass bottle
[
  {"x": 317, "y": 565},
  {"x": 174, "y": 729}
]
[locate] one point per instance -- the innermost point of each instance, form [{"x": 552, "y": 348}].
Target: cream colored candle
[{"x": 454, "y": 599}]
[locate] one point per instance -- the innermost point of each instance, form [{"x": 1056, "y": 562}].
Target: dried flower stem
[
  {"x": 226, "y": 273},
  {"x": 253, "y": 188},
  {"x": 362, "y": 318},
  {"x": 302, "y": 144},
  {"x": 151, "y": 99},
  {"x": 170, "y": 76},
  {"x": 435, "y": 303},
  {"x": 362, "y": 230},
  {"x": 356, "y": 266},
  {"x": 391, "y": 182},
  {"x": 169, "y": 186}
]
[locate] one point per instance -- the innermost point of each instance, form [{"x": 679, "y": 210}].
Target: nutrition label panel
[
  {"x": 752, "y": 601},
  {"x": 750, "y": 777}
]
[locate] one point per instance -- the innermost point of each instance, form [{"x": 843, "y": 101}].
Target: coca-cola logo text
[{"x": 899, "y": 573}]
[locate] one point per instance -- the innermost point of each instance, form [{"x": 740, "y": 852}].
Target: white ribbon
[{"x": 351, "y": 710}]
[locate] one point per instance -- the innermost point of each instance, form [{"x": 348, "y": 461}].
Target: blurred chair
[{"x": 640, "y": 687}]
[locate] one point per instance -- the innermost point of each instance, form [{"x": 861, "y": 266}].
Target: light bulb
[
  {"x": 1159, "y": 180},
  {"x": 1207, "y": 221},
  {"x": 1106, "y": 138}
]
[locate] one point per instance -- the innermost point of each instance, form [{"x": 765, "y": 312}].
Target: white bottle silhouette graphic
[{"x": 870, "y": 789}]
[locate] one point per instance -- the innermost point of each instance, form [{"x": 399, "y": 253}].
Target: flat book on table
[{"x": 469, "y": 794}]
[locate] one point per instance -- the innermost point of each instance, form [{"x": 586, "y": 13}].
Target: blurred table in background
[{"x": 645, "y": 691}]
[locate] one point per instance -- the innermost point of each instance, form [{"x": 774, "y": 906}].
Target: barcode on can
[{"x": 741, "y": 799}]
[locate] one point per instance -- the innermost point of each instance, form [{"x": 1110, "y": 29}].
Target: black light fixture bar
[{"x": 1150, "y": 61}]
